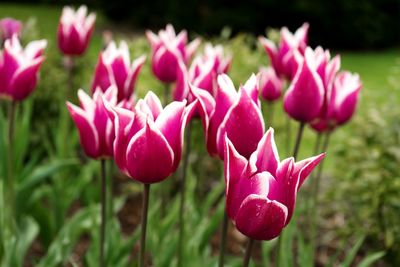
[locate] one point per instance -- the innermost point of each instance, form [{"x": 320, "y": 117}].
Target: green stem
[
  {"x": 247, "y": 255},
  {"x": 315, "y": 193},
  {"x": 269, "y": 114},
  {"x": 145, "y": 208},
  {"x": 182, "y": 202},
  {"x": 10, "y": 165},
  {"x": 103, "y": 211},
  {"x": 224, "y": 232},
  {"x": 298, "y": 140},
  {"x": 110, "y": 191},
  {"x": 69, "y": 66},
  {"x": 166, "y": 93},
  {"x": 288, "y": 135}
]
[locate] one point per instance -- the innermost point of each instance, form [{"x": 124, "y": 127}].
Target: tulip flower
[
  {"x": 19, "y": 68},
  {"x": 341, "y": 102},
  {"x": 150, "y": 134},
  {"x": 305, "y": 96},
  {"x": 270, "y": 84},
  {"x": 75, "y": 30},
  {"x": 203, "y": 72},
  {"x": 114, "y": 67},
  {"x": 95, "y": 128},
  {"x": 261, "y": 192},
  {"x": 285, "y": 58},
  {"x": 167, "y": 49},
  {"x": 9, "y": 27},
  {"x": 236, "y": 114}
]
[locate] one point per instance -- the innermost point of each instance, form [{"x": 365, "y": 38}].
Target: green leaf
[
  {"x": 370, "y": 259},
  {"x": 353, "y": 252}
]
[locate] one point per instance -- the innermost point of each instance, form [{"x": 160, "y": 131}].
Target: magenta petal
[
  {"x": 123, "y": 119},
  {"x": 243, "y": 124},
  {"x": 120, "y": 72},
  {"x": 102, "y": 76},
  {"x": 137, "y": 65},
  {"x": 181, "y": 90},
  {"x": 25, "y": 79},
  {"x": 165, "y": 64},
  {"x": 266, "y": 157},
  {"x": 153, "y": 102},
  {"x": 302, "y": 169},
  {"x": 145, "y": 149},
  {"x": 171, "y": 125},
  {"x": 260, "y": 218},
  {"x": 234, "y": 166},
  {"x": 304, "y": 98},
  {"x": 205, "y": 107},
  {"x": 87, "y": 131}
]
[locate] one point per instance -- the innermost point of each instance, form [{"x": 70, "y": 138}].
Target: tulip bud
[
  {"x": 114, "y": 67},
  {"x": 270, "y": 84},
  {"x": 261, "y": 192},
  {"x": 150, "y": 134},
  {"x": 75, "y": 30},
  {"x": 236, "y": 114},
  {"x": 19, "y": 68},
  {"x": 305, "y": 96},
  {"x": 341, "y": 102},
  {"x": 167, "y": 49},
  {"x": 9, "y": 27},
  {"x": 96, "y": 130},
  {"x": 287, "y": 56}
]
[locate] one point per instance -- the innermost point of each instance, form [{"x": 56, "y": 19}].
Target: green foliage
[{"x": 367, "y": 182}]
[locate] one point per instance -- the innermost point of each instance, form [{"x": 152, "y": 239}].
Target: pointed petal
[
  {"x": 266, "y": 157},
  {"x": 145, "y": 148},
  {"x": 87, "y": 130}
]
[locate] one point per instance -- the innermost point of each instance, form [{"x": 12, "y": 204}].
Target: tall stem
[
  {"x": 182, "y": 203},
  {"x": 145, "y": 208},
  {"x": 69, "y": 66},
  {"x": 270, "y": 113},
  {"x": 298, "y": 140},
  {"x": 166, "y": 93},
  {"x": 247, "y": 255},
  {"x": 10, "y": 164},
  {"x": 314, "y": 208},
  {"x": 222, "y": 245},
  {"x": 288, "y": 135},
  {"x": 103, "y": 211}
]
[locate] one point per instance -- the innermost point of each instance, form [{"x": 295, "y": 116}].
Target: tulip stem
[
  {"x": 270, "y": 113},
  {"x": 145, "y": 208},
  {"x": 166, "y": 93},
  {"x": 298, "y": 140},
  {"x": 103, "y": 211},
  {"x": 315, "y": 192},
  {"x": 247, "y": 255},
  {"x": 10, "y": 162},
  {"x": 288, "y": 135},
  {"x": 182, "y": 203},
  {"x": 69, "y": 66},
  {"x": 222, "y": 244}
]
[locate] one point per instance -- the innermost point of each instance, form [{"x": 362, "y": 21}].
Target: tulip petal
[
  {"x": 234, "y": 166},
  {"x": 303, "y": 168},
  {"x": 260, "y": 218},
  {"x": 266, "y": 157},
  {"x": 87, "y": 130},
  {"x": 154, "y": 103},
  {"x": 243, "y": 124},
  {"x": 147, "y": 147}
]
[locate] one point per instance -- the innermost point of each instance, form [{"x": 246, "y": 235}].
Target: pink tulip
[
  {"x": 270, "y": 84},
  {"x": 19, "y": 68},
  {"x": 305, "y": 96},
  {"x": 341, "y": 102},
  {"x": 149, "y": 140},
  {"x": 236, "y": 114},
  {"x": 75, "y": 30},
  {"x": 285, "y": 58},
  {"x": 114, "y": 67},
  {"x": 167, "y": 49},
  {"x": 203, "y": 72},
  {"x": 261, "y": 192},
  {"x": 9, "y": 27},
  {"x": 96, "y": 130}
]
